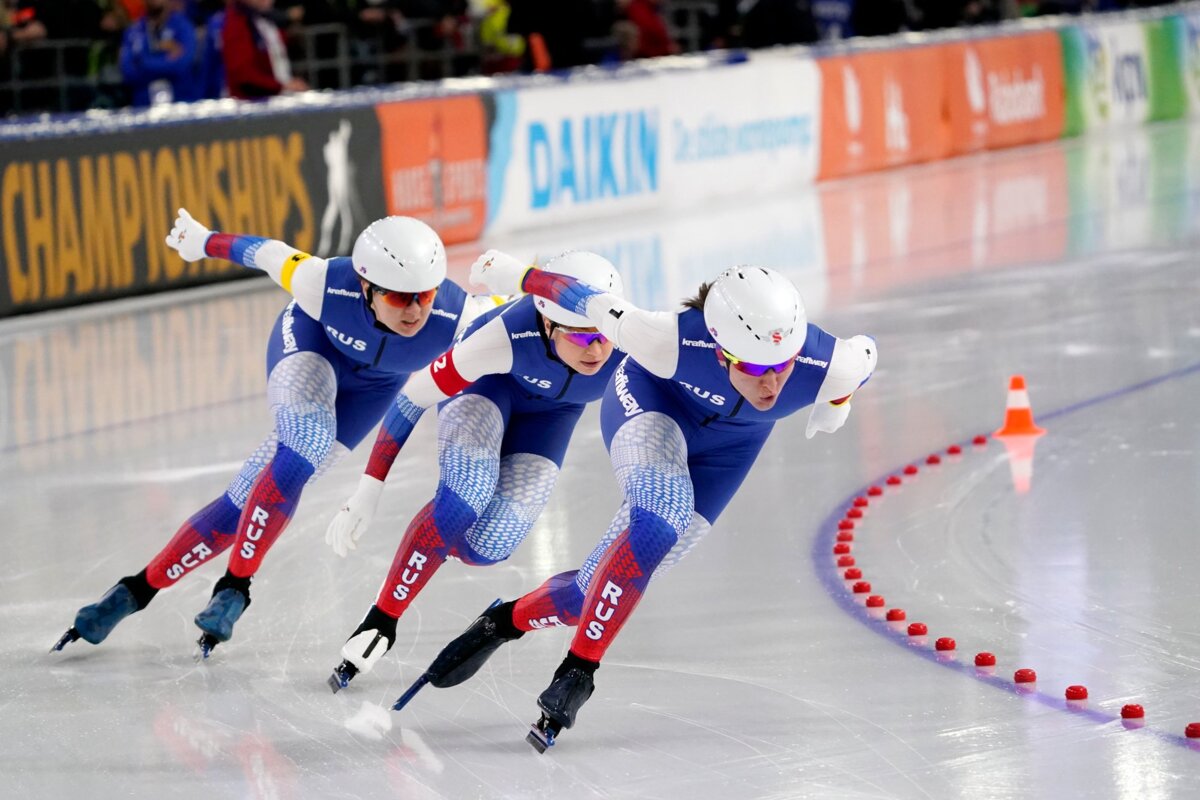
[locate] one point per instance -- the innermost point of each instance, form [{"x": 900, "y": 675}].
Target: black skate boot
[
  {"x": 572, "y": 686},
  {"x": 373, "y": 637},
  {"x": 93, "y": 623},
  {"x": 464, "y": 656},
  {"x": 230, "y": 599}
]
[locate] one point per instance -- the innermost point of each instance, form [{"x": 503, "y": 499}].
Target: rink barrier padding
[
  {"x": 84, "y": 218},
  {"x": 86, "y": 199}
]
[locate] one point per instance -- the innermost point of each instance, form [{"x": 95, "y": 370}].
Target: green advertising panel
[{"x": 1167, "y": 96}]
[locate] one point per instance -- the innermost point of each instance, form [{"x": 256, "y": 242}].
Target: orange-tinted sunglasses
[{"x": 404, "y": 299}]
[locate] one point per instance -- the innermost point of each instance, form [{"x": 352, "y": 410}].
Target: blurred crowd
[{"x": 142, "y": 52}]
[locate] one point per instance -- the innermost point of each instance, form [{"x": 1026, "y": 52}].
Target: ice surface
[{"x": 745, "y": 672}]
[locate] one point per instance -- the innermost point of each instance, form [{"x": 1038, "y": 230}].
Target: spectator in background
[
  {"x": 645, "y": 33},
  {"x": 766, "y": 23},
  {"x": 256, "y": 60},
  {"x": 158, "y": 57},
  {"x": 44, "y": 21},
  {"x": 501, "y": 51},
  {"x": 554, "y": 31},
  {"x": 212, "y": 60}
]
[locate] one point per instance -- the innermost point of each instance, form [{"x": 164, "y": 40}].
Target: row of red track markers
[{"x": 1024, "y": 680}]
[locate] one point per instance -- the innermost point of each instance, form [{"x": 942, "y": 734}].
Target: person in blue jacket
[
  {"x": 684, "y": 418},
  {"x": 518, "y": 382},
  {"x": 212, "y": 61},
  {"x": 337, "y": 355},
  {"x": 159, "y": 57}
]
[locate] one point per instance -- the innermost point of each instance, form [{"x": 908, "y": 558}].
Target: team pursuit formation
[{"x": 688, "y": 397}]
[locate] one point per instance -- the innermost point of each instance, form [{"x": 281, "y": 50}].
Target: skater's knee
[
  {"x": 670, "y": 499},
  {"x": 288, "y": 461},
  {"x": 650, "y": 536},
  {"x": 453, "y": 514},
  {"x": 311, "y": 435}
]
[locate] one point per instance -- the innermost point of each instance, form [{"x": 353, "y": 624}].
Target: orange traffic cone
[
  {"x": 1019, "y": 434},
  {"x": 1018, "y": 417}
]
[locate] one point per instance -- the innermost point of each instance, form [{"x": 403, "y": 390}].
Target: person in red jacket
[
  {"x": 653, "y": 37},
  {"x": 256, "y": 60}
]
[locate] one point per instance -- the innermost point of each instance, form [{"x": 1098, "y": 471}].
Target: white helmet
[
  {"x": 402, "y": 254},
  {"x": 756, "y": 314},
  {"x": 588, "y": 267}
]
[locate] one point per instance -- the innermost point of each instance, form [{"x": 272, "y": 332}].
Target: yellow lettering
[
  {"x": 129, "y": 213},
  {"x": 70, "y": 259},
  {"x": 262, "y": 192},
  {"x": 150, "y": 204},
  {"x": 274, "y": 167},
  {"x": 98, "y": 212},
  {"x": 39, "y": 227},
  {"x": 194, "y": 189},
  {"x": 241, "y": 188},
  {"x": 19, "y": 289},
  {"x": 167, "y": 195}
]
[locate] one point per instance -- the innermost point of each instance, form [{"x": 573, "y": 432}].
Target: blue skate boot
[
  {"x": 230, "y": 598},
  {"x": 573, "y": 684},
  {"x": 93, "y": 623}
]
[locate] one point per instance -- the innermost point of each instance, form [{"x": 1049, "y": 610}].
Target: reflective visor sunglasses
[
  {"x": 755, "y": 370},
  {"x": 581, "y": 338},
  {"x": 403, "y": 299}
]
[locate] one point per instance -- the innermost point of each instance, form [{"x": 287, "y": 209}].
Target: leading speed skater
[{"x": 684, "y": 418}]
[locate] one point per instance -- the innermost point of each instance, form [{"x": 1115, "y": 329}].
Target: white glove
[
  {"x": 354, "y": 517},
  {"x": 826, "y": 417},
  {"x": 499, "y": 272},
  {"x": 188, "y": 237}
]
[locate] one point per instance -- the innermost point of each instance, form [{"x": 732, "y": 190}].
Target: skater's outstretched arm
[
  {"x": 651, "y": 337},
  {"x": 851, "y": 365},
  {"x": 300, "y": 274},
  {"x": 487, "y": 351}
]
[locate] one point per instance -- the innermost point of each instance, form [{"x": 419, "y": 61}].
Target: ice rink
[{"x": 750, "y": 671}]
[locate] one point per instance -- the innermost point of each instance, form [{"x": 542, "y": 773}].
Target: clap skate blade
[
  {"x": 543, "y": 733},
  {"x": 70, "y": 636}
]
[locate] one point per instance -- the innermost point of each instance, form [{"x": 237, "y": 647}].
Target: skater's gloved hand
[
  {"x": 499, "y": 272},
  {"x": 188, "y": 237},
  {"x": 354, "y": 517},
  {"x": 827, "y": 417}
]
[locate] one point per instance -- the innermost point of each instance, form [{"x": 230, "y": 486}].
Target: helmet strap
[
  {"x": 551, "y": 347},
  {"x": 369, "y": 296}
]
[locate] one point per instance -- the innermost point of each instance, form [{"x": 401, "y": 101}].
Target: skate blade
[
  {"x": 338, "y": 680},
  {"x": 404, "y": 699},
  {"x": 70, "y": 636},
  {"x": 204, "y": 646},
  {"x": 543, "y": 733}
]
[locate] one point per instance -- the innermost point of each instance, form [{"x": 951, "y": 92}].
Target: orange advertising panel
[
  {"x": 1004, "y": 92},
  {"x": 957, "y": 216},
  {"x": 435, "y": 163},
  {"x": 881, "y": 110}
]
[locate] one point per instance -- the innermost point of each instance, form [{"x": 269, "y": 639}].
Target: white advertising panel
[
  {"x": 1118, "y": 74},
  {"x": 586, "y": 149},
  {"x": 751, "y": 127}
]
